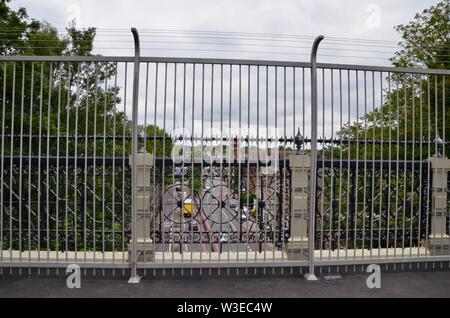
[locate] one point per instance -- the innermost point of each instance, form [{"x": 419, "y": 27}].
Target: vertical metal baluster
[
  {"x": 274, "y": 220},
  {"x": 303, "y": 103},
  {"x": 271, "y": 226},
  {"x": 124, "y": 126},
  {"x": 192, "y": 144},
  {"x": 229, "y": 161},
  {"x": 240, "y": 139},
  {"x": 444, "y": 140},
  {"x": 429, "y": 187},
  {"x": 389, "y": 100},
  {"x": 86, "y": 147},
  {"x": 94, "y": 167},
  {"x": 276, "y": 143},
  {"x": 247, "y": 188},
  {"x": 20, "y": 199},
  {"x": 211, "y": 166},
  {"x": 144, "y": 133},
  {"x": 436, "y": 122},
  {"x": 103, "y": 170},
  {"x": 443, "y": 116},
  {"x": 419, "y": 243},
  {"x": 340, "y": 165},
  {"x": 48, "y": 163},
  {"x": 381, "y": 164},
  {"x": 283, "y": 184},
  {"x": 322, "y": 169},
  {"x": 173, "y": 162},
  {"x": 154, "y": 146},
  {"x": 2, "y": 154},
  {"x": 58, "y": 114},
  {"x": 113, "y": 181},
  {"x": 39, "y": 164},
  {"x": 30, "y": 139},
  {"x": 239, "y": 159},
  {"x": 413, "y": 139},
  {"x": 397, "y": 168},
  {"x": 365, "y": 167},
  {"x": 404, "y": 167},
  {"x": 202, "y": 186},
  {"x": 436, "y": 134},
  {"x": 183, "y": 168},
  {"x": 259, "y": 186},
  {"x": 348, "y": 169},
  {"x": 75, "y": 179},
  {"x": 356, "y": 185},
  {"x": 332, "y": 172},
  {"x": 66, "y": 172},
  {"x": 163, "y": 179},
  {"x": 372, "y": 199},
  {"x": 220, "y": 163},
  {"x": 11, "y": 168},
  {"x": 155, "y": 180},
  {"x": 258, "y": 183}
]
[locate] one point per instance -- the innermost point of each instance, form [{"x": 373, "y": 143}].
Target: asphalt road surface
[{"x": 404, "y": 284}]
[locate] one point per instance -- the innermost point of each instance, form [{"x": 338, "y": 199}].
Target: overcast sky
[
  {"x": 372, "y": 20},
  {"x": 167, "y": 29}
]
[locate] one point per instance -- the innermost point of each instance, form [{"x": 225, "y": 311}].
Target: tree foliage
[
  {"x": 402, "y": 128},
  {"x": 415, "y": 107},
  {"x": 62, "y": 110}
]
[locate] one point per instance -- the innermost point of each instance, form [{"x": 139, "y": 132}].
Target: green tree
[
  {"x": 402, "y": 127},
  {"x": 413, "y": 108},
  {"x": 55, "y": 110}
]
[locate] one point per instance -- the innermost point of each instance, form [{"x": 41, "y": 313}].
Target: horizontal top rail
[
  {"x": 224, "y": 61},
  {"x": 385, "y": 69},
  {"x": 183, "y": 60},
  {"x": 55, "y": 58}
]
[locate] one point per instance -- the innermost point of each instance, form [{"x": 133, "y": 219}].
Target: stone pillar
[
  {"x": 144, "y": 164},
  {"x": 300, "y": 166},
  {"x": 439, "y": 239}
]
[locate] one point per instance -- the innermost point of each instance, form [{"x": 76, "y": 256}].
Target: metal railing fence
[{"x": 148, "y": 162}]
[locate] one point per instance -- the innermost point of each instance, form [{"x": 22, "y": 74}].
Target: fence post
[
  {"x": 134, "y": 276},
  {"x": 439, "y": 239},
  {"x": 143, "y": 165},
  {"x": 312, "y": 180},
  {"x": 300, "y": 165}
]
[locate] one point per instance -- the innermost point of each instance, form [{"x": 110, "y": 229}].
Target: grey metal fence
[
  {"x": 143, "y": 162},
  {"x": 65, "y": 190}
]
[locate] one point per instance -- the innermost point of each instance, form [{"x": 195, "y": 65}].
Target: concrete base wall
[{"x": 7, "y": 256}]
